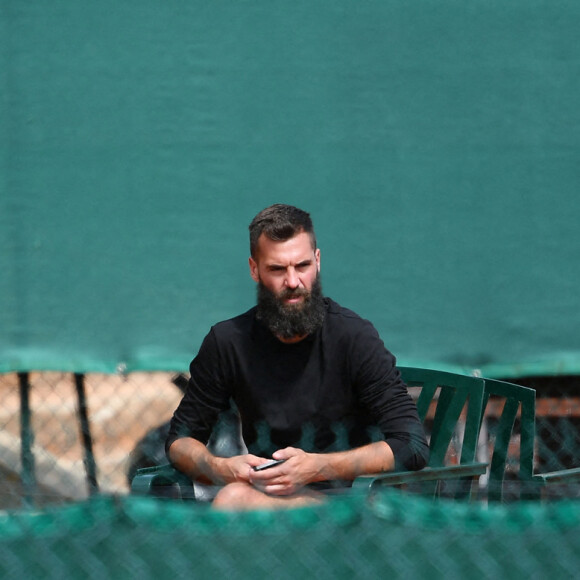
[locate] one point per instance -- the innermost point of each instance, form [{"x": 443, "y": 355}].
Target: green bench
[
  {"x": 450, "y": 407},
  {"x": 453, "y": 409},
  {"x": 517, "y": 402}
]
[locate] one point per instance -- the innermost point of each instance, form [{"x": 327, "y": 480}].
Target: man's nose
[{"x": 292, "y": 280}]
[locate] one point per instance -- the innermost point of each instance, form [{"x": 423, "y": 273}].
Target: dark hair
[{"x": 280, "y": 222}]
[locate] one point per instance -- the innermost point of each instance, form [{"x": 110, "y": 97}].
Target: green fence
[
  {"x": 395, "y": 535},
  {"x": 61, "y": 517}
]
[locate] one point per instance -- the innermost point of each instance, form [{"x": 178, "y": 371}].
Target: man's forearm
[
  {"x": 195, "y": 460},
  {"x": 347, "y": 465}
]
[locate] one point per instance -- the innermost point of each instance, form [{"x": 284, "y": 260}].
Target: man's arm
[
  {"x": 195, "y": 460},
  {"x": 301, "y": 468}
]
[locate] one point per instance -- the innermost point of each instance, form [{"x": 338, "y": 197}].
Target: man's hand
[
  {"x": 301, "y": 468},
  {"x": 193, "y": 458},
  {"x": 298, "y": 469},
  {"x": 237, "y": 468}
]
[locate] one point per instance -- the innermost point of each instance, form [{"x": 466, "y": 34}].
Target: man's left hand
[{"x": 299, "y": 469}]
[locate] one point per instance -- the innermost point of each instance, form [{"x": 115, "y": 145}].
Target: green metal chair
[
  {"x": 168, "y": 482},
  {"x": 163, "y": 481},
  {"x": 455, "y": 403},
  {"x": 452, "y": 403},
  {"x": 518, "y": 411},
  {"x": 456, "y": 411}
]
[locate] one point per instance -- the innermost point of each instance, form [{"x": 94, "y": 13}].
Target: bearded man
[{"x": 314, "y": 385}]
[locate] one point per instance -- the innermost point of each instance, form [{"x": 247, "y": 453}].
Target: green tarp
[
  {"x": 393, "y": 536},
  {"x": 436, "y": 145}
]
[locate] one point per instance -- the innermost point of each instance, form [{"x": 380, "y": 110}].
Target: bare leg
[{"x": 243, "y": 496}]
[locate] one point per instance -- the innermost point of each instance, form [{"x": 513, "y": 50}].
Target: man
[{"x": 312, "y": 381}]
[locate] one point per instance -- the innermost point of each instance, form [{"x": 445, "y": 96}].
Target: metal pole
[
  {"x": 26, "y": 441},
  {"x": 89, "y": 461}
]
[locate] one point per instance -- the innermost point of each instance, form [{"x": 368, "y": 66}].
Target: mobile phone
[{"x": 268, "y": 464}]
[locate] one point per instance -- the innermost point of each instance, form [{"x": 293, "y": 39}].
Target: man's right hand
[
  {"x": 237, "y": 468},
  {"x": 194, "y": 459}
]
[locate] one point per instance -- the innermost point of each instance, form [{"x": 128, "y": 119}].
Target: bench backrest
[
  {"x": 515, "y": 402},
  {"x": 455, "y": 403}
]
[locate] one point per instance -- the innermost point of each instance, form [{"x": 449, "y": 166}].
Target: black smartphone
[{"x": 268, "y": 464}]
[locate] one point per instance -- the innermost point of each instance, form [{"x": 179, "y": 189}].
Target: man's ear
[
  {"x": 254, "y": 269},
  {"x": 317, "y": 257}
]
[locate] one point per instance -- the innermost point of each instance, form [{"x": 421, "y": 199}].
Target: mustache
[{"x": 293, "y": 293}]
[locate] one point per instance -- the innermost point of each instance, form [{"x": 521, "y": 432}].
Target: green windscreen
[
  {"x": 436, "y": 145},
  {"x": 395, "y": 535}
]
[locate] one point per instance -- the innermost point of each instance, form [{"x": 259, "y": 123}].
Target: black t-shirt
[{"x": 337, "y": 389}]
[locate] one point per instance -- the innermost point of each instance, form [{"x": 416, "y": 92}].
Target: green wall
[{"x": 436, "y": 145}]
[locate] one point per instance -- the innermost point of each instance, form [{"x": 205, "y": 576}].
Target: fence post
[
  {"x": 89, "y": 460},
  {"x": 27, "y": 476}
]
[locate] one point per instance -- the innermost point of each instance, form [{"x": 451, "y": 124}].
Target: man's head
[
  {"x": 285, "y": 263},
  {"x": 280, "y": 222}
]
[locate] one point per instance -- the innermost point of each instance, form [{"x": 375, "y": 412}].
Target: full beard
[{"x": 291, "y": 320}]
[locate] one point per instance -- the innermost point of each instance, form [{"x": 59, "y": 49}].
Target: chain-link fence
[
  {"x": 51, "y": 424},
  {"x": 392, "y": 536},
  {"x": 66, "y": 439}
]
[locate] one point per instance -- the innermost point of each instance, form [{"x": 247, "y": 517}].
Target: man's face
[
  {"x": 288, "y": 269},
  {"x": 290, "y": 300}
]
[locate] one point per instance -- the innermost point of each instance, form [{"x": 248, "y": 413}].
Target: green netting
[
  {"x": 434, "y": 142},
  {"x": 395, "y": 535}
]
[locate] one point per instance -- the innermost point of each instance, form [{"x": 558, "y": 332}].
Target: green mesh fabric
[
  {"x": 434, "y": 142},
  {"x": 394, "y": 535}
]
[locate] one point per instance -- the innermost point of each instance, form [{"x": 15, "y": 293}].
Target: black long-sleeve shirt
[{"x": 337, "y": 389}]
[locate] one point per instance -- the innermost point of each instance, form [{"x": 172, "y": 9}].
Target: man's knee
[
  {"x": 243, "y": 496},
  {"x": 237, "y": 495}
]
